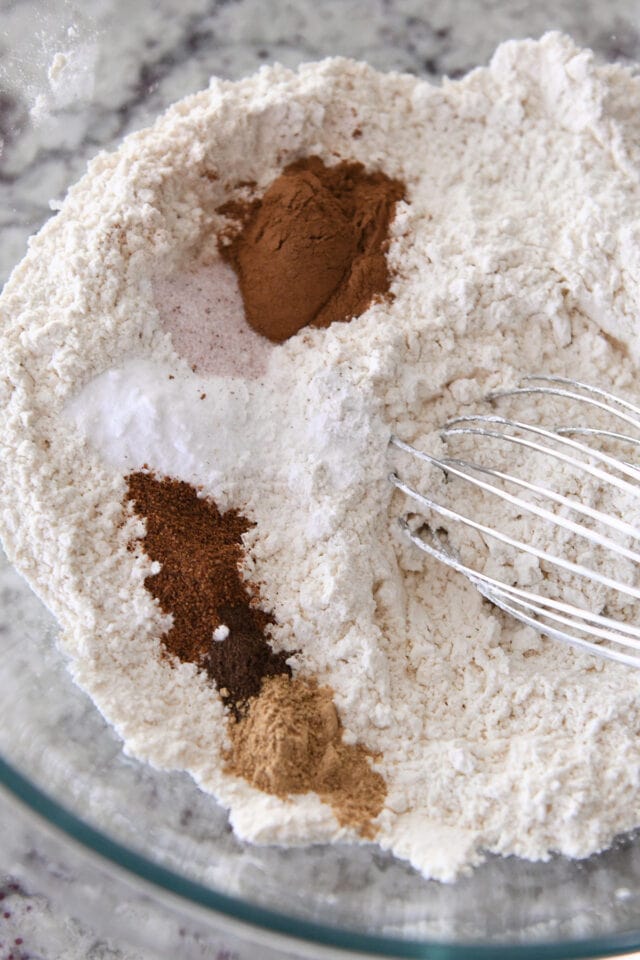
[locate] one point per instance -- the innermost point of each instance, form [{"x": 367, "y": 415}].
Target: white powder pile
[{"x": 518, "y": 250}]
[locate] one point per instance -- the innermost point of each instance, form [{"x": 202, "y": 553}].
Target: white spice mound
[{"x": 517, "y": 251}]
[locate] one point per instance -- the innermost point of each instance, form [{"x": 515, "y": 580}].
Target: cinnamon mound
[{"x": 312, "y": 250}]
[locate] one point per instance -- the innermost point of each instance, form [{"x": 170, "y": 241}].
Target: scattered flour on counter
[{"x": 517, "y": 250}]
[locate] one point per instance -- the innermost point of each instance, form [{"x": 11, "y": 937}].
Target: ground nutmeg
[{"x": 217, "y": 621}]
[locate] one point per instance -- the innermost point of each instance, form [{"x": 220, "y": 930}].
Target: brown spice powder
[
  {"x": 312, "y": 250},
  {"x": 290, "y": 741},
  {"x": 201, "y": 584},
  {"x": 286, "y": 734}
]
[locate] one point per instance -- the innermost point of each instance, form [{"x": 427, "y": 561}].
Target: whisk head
[{"x": 584, "y": 593}]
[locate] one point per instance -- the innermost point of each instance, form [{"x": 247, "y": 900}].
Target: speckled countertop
[
  {"x": 76, "y": 77},
  {"x": 126, "y": 62}
]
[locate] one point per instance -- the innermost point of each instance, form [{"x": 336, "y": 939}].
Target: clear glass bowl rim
[
  {"x": 211, "y": 903},
  {"x": 251, "y": 917}
]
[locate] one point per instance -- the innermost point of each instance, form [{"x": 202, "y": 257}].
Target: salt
[{"x": 201, "y": 307}]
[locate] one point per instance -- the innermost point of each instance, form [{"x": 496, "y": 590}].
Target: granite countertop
[{"x": 76, "y": 77}]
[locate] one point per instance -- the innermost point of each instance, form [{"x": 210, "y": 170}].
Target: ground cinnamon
[
  {"x": 312, "y": 249},
  {"x": 201, "y": 585}
]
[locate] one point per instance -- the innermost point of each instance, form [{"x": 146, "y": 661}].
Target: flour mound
[{"x": 517, "y": 250}]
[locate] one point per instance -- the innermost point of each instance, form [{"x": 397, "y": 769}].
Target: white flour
[{"x": 518, "y": 251}]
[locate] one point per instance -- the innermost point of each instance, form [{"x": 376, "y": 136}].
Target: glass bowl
[{"x": 144, "y": 856}]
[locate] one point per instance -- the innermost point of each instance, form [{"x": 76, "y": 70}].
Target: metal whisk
[{"x": 578, "y": 447}]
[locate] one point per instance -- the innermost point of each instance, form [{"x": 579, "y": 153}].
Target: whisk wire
[
  {"x": 607, "y": 653},
  {"x": 462, "y": 469},
  {"x": 614, "y": 399},
  {"x": 592, "y": 432},
  {"x": 571, "y": 395},
  {"x": 450, "y": 430},
  {"x": 615, "y": 523},
  {"x": 520, "y": 545},
  {"x": 517, "y": 594},
  {"x": 583, "y": 628}
]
